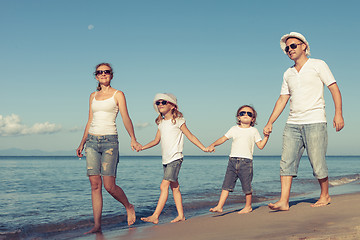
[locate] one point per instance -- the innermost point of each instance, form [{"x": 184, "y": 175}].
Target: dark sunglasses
[
  {"x": 100, "y": 72},
  {"x": 163, "y": 102},
  {"x": 242, "y": 113},
  {"x": 293, "y": 46}
]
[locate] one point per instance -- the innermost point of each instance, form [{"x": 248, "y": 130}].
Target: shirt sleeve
[
  {"x": 180, "y": 122},
  {"x": 325, "y": 74},
  {"x": 229, "y": 133},
  {"x": 257, "y": 136},
  {"x": 284, "y": 86}
]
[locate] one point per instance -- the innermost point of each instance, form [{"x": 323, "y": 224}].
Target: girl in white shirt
[
  {"x": 240, "y": 165},
  {"x": 171, "y": 130}
]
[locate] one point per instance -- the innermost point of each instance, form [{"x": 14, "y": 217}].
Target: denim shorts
[
  {"x": 241, "y": 168},
  {"x": 171, "y": 170},
  {"x": 297, "y": 138},
  {"x": 102, "y": 155}
]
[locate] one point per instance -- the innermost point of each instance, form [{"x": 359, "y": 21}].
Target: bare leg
[
  {"x": 324, "y": 195},
  {"x": 117, "y": 193},
  {"x": 283, "y": 203},
  {"x": 219, "y": 207},
  {"x": 247, "y": 208},
  {"x": 97, "y": 202},
  {"x": 175, "y": 187},
  {"x": 164, "y": 188}
]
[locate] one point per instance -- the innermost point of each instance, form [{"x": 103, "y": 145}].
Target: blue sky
[{"x": 213, "y": 55}]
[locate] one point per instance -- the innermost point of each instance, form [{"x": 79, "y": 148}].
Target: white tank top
[{"x": 104, "y": 115}]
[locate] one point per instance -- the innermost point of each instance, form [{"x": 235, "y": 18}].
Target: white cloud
[
  {"x": 91, "y": 27},
  {"x": 142, "y": 125},
  {"x": 75, "y": 129},
  {"x": 12, "y": 126}
]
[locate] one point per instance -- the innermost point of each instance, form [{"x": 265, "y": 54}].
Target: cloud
[
  {"x": 12, "y": 126},
  {"x": 75, "y": 129},
  {"x": 142, "y": 125},
  {"x": 91, "y": 27}
]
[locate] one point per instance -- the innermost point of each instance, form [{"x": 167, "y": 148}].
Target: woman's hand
[{"x": 135, "y": 146}]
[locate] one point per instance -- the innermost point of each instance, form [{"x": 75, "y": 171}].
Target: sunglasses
[
  {"x": 163, "y": 102},
  {"x": 293, "y": 46},
  {"x": 242, "y": 113},
  {"x": 100, "y": 72}
]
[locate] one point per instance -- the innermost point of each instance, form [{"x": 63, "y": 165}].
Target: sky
[{"x": 214, "y": 55}]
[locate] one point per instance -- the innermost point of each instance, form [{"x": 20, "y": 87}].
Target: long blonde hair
[{"x": 174, "y": 112}]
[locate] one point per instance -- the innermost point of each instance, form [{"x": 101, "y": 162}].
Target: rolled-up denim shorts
[
  {"x": 298, "y": 137},
  {"x": 171, "y": 170},
  {"x": 241, "y": 168},
  {"x": 102, "y": 155}
]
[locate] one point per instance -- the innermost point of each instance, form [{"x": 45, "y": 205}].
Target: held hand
[
  {"x": 267, "y": 129},
  {"x": 141, "y": 148},
  {"x": 135, "y": 146},
  {"x": 338, "y": 122},
  {"x": 210, "y": 148}
]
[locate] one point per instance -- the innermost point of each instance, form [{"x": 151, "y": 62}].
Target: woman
[{"x": 102, "y": 146}]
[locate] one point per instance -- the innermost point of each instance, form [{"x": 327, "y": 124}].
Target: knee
[
  {"x": 164, "y": 186},
  {"x": 110, "y": 188},
  {"x": 175, "y": 187},
  {"x": 96, "y": 186}
]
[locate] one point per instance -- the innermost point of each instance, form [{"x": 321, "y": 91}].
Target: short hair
[{"x": 253, "y": 122}]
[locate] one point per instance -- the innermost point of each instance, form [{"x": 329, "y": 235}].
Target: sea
[{"x": 49, "y": 197}]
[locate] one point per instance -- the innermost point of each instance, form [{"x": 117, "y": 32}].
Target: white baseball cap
[
  {"x": 294, "y": 35},
  {"x": 164, "y": 96}
]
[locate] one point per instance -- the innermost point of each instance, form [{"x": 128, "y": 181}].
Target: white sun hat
[
  {"x": 294, "y": 35},
  {"x": 164, "y": 96}
]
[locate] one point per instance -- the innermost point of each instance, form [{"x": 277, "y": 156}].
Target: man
[{"x": 303, "y": 84}]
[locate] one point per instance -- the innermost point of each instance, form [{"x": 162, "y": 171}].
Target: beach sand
[{"x": 338, "y": 220}]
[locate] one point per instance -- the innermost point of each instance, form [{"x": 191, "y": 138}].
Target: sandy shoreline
[{"x": 338, "y": 220}]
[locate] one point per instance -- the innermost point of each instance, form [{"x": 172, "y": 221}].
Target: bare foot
[
  {"x": 245, "y": 210},
  {"x": 152, "y": 219},
  {"x": 131, "y": 217},
  {"x": 96, "y": 229},
  {"x": 178, "y": 219},
  {"x": 323, "y": 201},
  {"x": 279, "y": 206},
  {"x": 216, "y": 209}
]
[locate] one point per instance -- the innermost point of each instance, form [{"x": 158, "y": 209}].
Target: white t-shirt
[
  {"x": 243, "y": 142},
  {"x": 172, "y": 140},
  {"x": 306, "y": 89}
]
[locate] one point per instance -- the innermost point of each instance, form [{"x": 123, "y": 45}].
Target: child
[
  {"x": 171, "y": 130},
  {"x": 240, "y": 160}
]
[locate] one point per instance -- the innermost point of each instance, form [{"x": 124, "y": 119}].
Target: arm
[
  {"x": 338, "y": 121},
  {"x": 121, "y": 101},
  {"x": 261, "y": 144},
  {"x": 218, "y": 142},
  {"x": 153, "y": 142},
  {"x": 191, "y": 137},
  {"x": 279, "y": 107},
  {"x": 86, "y": 131}
]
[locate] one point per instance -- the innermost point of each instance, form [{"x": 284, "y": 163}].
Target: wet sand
[{"x": 338, "y": 220}]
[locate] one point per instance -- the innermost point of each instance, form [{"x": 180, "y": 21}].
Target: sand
[{"x": 338, "y": 220}]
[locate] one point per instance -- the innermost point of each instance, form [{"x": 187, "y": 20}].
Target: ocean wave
[{"x": 339, "y": 181}]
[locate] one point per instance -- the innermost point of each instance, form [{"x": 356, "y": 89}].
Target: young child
[
  {"x": 171, "y": 130},
  {"x": 240, "y": 164}
]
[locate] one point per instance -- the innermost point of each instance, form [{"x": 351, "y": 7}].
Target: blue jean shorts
[
  {"x": 102, "y": 155},
  {"x": 171, "y": 170},
  {"x": 238, "y": 168},
  {"x": 297, "y": 138}
]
